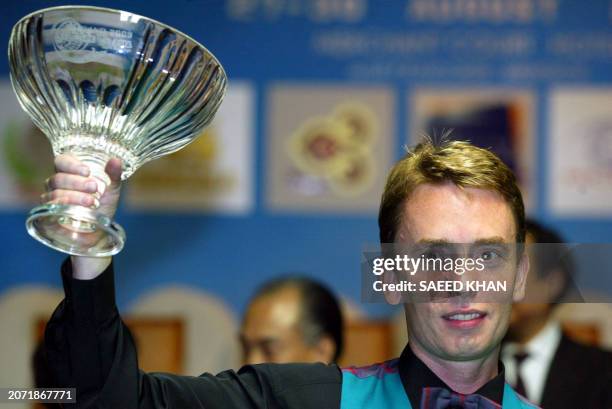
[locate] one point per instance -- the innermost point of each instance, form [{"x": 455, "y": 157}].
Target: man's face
[
  {"x": 449, "y": 214},
  {"x": 271, "y": 332}
]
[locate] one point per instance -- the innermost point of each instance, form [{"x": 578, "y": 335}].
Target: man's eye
[
  {"x": 430, "y": 255},
  {"x": 489, "y": 255}
]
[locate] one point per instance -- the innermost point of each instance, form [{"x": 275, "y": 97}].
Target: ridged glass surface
[{"x": 103, "y": 83}]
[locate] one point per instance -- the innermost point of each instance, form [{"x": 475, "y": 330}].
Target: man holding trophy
[
  {"x": 113, "y": 90},
  {"x": 452, "y": 192}
]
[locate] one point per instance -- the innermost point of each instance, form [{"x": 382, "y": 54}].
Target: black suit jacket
[{"x": 580, "y": 377}]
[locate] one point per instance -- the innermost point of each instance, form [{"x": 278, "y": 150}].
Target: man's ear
[
  {"x": 555, "y": 283},
  {"x": 520, "y": 281},
  {"x": 325, "y": 349},
  {"x": 392, "y": 297}
]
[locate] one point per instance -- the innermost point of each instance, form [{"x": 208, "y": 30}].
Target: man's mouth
[{"x": 464, "y": 319}]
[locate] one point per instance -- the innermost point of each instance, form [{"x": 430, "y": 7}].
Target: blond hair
[{"x": 459, "y": 162}]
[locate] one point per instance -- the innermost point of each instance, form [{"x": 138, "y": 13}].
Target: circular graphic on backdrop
[
  {"x": 317, "y": 146},
  {"x": 337, "y": 149}
]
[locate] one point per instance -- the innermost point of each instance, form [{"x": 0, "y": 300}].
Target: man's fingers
[
  {"x": 68, "y": 197},
  {"x": 113, "y": 169},
  {"x": 66, "y": 163},
  {"x": 69, "y": 164},
  {"x": 66, "y": 181}
]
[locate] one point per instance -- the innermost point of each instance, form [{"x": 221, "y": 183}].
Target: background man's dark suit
[
  {"x": 572, "y": 376},
  {"x": 580, "y": 377}
]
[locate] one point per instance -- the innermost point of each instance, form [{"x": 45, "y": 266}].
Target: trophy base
[{"x": 75, "y": 230}]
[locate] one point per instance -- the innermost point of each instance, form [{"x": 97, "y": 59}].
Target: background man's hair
[
  {"x": 459, "y": 162},
  {"x": 320, "y": 312}
]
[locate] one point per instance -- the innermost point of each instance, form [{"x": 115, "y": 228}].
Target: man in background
[
  {"x": 542, "y": 363},
  {"x": 292, "y": 319}
]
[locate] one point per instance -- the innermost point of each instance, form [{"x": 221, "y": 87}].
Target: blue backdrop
[{"x": 270, "y": 40}]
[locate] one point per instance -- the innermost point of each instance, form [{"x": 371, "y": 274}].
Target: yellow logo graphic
[{"x": 338, "y": 148}]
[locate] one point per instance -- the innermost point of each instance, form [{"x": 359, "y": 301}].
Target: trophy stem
[
  {"x": 96, "y": 164},
  {"x": 79, "y": 230}
]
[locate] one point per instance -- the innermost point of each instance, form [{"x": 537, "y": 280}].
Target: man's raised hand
[{"x": 73, "y": 184}]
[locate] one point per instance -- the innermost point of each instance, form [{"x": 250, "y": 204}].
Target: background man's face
[
  {"x": 448, "y": 213},
  {"x": 529, "y": 317},
  {"x": 271, "y": 332}
]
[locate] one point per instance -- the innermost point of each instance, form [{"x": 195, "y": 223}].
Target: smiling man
[{"x": 452, "y": 192}]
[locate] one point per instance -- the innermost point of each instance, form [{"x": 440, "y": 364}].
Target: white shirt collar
[
  {"x": 534, "y": 370},
  {"x": 545, "y": 343}
]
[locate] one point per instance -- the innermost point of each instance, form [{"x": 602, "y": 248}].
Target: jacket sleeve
[{"x": 89, "y": 348}]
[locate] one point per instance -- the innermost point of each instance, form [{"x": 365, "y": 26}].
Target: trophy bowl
[{"x": 103, "y": 83}]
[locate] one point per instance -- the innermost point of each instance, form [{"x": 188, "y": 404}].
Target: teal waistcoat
[{"x": 379, "y": 387}]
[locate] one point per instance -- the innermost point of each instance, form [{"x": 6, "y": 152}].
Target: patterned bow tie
[{"x": 442, "y": 398}]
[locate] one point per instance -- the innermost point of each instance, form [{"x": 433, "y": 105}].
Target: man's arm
[{"x": 89, "y": 347}]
